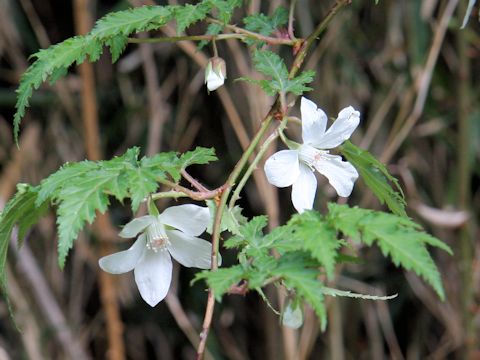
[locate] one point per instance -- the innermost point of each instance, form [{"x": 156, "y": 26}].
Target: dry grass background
[{"x": 404, "y": 64}]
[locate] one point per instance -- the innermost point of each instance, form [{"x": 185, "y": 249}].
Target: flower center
[
  {"x": 310, "y": 155},
  {"x": 157, "y": 239}
]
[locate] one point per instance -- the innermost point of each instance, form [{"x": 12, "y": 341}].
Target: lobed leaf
[
  {"x": 22, "y": 211},
  {"x": 397, "y": 237},
  {"x": 376, "y": 177}
]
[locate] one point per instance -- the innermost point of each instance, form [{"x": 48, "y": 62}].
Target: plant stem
[
  {"x": 207, "y": 321},
  {"x": 195, "y": 195},
  {"x": 276, "y": 107},
  {"x": 239, "y": 36},
  {"x": 254, "y": 163}
]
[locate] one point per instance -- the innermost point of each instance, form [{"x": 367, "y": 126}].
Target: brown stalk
[{"x": 116, "y": 347}]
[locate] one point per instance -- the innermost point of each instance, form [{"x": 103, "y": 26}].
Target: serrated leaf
[
  {"x": 22, "y": 211},
  {"x": 189, "y": 14},
  {"x": 272, "y": 65},
  {"x": 199, "y": 156},
  {"x": 130, "y": 21},
  {"x": 316, "y": 237},
  {"x": 343, "y": 293},
  {"x": 297, "y": 85},
  {"x": 266, "y": 25},
  {"x": 397, "y": 237},
  {"x": 221, "y": 280},
  {"x": 117, "y": 45},
  {"x": 81, "y": 189},
  {"x": 232, "y": 219},
  {"x": 297, "y": 275},
  {"x": 51, "y": 62},
  {"x": 78, "y": 205},
  {"x": 212, "y": 29},
  {"x": 250, "y": 233},
  {"x": 225, "y": 8},
  {"x": 376, "y": 177}
]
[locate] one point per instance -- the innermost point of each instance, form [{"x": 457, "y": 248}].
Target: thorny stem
[
  {"x": 195, "y": 195},
  {"x": 253, "y": 35},
  {"x": 298, "y": 61},
  {"x": 239, "y": 36},
  {"x": 193, "y": 181}
]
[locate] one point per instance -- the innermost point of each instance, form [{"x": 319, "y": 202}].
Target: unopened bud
[{"x": 215, "y": 73}]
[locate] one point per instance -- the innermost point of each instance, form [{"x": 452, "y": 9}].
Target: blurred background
[{"x": 407, "y": 67}]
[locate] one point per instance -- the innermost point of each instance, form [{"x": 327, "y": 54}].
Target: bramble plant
[{"x": 302, "y": 255}]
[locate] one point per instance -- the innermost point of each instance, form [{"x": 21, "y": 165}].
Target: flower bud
[{"x": 215, "y": 73}]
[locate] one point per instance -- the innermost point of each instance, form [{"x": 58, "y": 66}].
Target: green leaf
[
  {"x": 22, "y": 211},
  {"x": 221, "y": 280},
  {"x": 232, "y": 219},
  {"x": 397, "y": 237},
  {"x": 212, "y": 29},
  {"x": 272, "y": 65},
  {"x": 266, "y": 25},
  {"x": 376, "y": 177},
  {"x": 249, "y": 234},
  {"x": 297, "y": 84},
  {"x": 225, "y": 8},
  {"x": 81, "y": 189},
  {"x": 297, "y": 275},
  {"x": 199, "y": 156},
  {"x": 111, "y": 31},
  {"x": 316, "y": 237},
  {"x": 130, "y": 21},
  {"x": 189, "y": 14},
  {"x": 117, "y": 45}
]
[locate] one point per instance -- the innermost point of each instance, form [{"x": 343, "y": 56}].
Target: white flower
[
  {"x": 215, "y": 73},
  {"x": 295, "y": 167},
  {"x": 173, "y": 232}
]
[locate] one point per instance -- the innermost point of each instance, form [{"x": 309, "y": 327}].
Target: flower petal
[
  {"x": 135, "y": 226},
  {"x": 340, "y": 174},
  {"x": 153, "y": 275},
  {"x": 347, "y": 121},
  {"x": 214, "y": 80},
  {"x": 304, "y": 189},
  {"x": 124, "y": 261},
  {"x": 189, "y": 251},
  {"x": 189, "y": 218},
  {"x": 314, "y": 121},
  {"x": 282, "y": 168}
]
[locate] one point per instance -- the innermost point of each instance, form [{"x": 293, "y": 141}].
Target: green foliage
[
  {"x": 188, "y": 14},
  {"x": 265, "y": 25},
  {"x": 111, "y": 30},
  {"x": 21, "y": 211},
  {"x": 225, "y": 9},
  {"x": 81, "y": 189},
  {"x": 398, "y": 237},
  {"x": 232, "y": 218},
  {"x": 316, "y": 237},
  {"x": 199, "y": 156},
  {"x": 222, "y": 279},
  {"x": 295, "y": 255},
  {"x": 376, "y": 177},
  {"x": 272, "y": 65}
]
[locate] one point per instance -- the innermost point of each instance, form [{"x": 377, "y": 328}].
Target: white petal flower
[
  {"x": 172, "y": 233},
  {"x": 215, "y": 73},
  {"x": 295, "y": 167}
]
